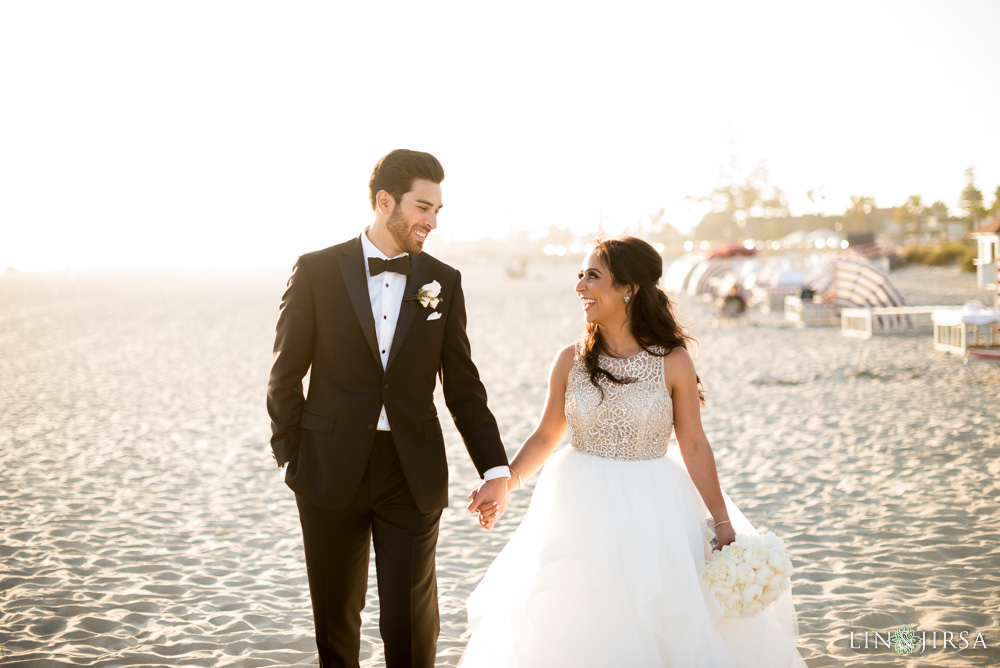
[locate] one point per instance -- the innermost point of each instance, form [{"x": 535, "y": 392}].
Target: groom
[{"x": 377, "y": 321}]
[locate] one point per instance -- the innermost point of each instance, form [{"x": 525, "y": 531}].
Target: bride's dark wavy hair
[{"x": 632, "y": 261}]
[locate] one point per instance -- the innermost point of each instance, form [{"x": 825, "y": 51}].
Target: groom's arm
[
  {"x": 293, "y": 350},
  {"x": 465, "y": 395}
]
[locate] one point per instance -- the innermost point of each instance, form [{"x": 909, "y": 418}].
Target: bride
[{"x": 604, "y": 570}]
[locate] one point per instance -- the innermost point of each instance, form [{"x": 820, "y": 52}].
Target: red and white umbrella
[{"x": 729, "y": 249}]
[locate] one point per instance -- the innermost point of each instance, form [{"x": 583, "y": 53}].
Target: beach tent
[
  {"x": 707, "y": 275},
  {"x": 858, "y": 284},
  {"x": 675, "y": 279},
  {"x": 823, "y": 238},
  {"x": 779, "y": 272},
  {"x": 796, "y": 239},
  {"x": 819, "y": 276},
  {"x": 789, "y": 277}
]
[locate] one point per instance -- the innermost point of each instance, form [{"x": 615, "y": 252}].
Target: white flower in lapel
[{"x": 428, "y": 295}]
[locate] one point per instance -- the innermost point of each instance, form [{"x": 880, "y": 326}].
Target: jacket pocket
[{"x": 317, "y": 423}]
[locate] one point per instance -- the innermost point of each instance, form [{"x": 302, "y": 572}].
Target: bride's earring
[{"x": 627, "y": 297}]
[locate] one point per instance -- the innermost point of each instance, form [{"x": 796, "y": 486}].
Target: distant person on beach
[
  {"x": 604, "y": 570},
  {"x": 733, "y": 305},
  {"x": 377, "y": 321}
]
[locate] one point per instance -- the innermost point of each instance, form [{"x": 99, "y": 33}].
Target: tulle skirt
[{"x": 604, "y": 571}]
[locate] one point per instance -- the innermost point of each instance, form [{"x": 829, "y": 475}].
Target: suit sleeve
[
  {"x": 294, "y": 339},
  {"x": 464, "y": 392}
]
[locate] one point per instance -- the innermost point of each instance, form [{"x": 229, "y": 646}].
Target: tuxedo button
[
  {"x": 386, "y": 386},
  {"x": 370, "y": 426}
]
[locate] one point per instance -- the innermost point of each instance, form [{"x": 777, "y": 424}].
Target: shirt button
[
  {"x": 385, "y": 317},
  {"x": 370, "y": 426},
  {"x": 383, "y": 352}
]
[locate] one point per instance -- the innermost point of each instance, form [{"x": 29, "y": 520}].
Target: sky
[{"x": 241, "y": 134}]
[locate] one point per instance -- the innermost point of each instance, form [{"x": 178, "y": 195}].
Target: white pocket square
[{"x": 434, "y": 316}]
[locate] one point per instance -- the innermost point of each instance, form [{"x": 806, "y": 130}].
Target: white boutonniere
[{"x": 429, "y": 295}]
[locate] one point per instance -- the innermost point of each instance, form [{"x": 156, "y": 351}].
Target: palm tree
[
  {"x": 911, "y": 214},
  {"x": 856, "y": 216},
  {"x": 971, "y": 200},
  {"x": 994, "y": 211}
]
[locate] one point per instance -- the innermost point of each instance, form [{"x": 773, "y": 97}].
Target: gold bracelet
[{"x": 519, "y": 482}]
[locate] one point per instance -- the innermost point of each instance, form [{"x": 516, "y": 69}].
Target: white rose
[
  {"x": 433, "y": 301},
  {"x": 769, "y": 540},
  {"x": 776, "y": 580},
  {"x": 734, "y": 602},
  {"x": 752, "y": 592},
  {"x": 763, "y": 576},
  {"x": 757, "y": 557},
  {"x": 776, "y": 560},
  {"x": 432, "y": 289},
  {"x": 770, "y": 595},
  {"x": 723, "y": 571},
  {"x": 752, "y": 608},
  {"x": 720, "y": 591},
  {"x": 736, "y": 552},
  {"x": 744, "y": 573}
]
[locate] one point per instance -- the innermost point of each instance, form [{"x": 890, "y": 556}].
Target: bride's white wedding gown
[{"x": 604, "y": 570}]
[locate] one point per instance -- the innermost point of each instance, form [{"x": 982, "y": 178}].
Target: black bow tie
[{"x": 401, "y": 265}]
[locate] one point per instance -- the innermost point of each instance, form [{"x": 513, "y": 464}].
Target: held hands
[{"x": 490, "y": 501}]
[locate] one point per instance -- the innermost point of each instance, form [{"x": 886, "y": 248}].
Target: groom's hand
[{"x": 490, "y": 501}]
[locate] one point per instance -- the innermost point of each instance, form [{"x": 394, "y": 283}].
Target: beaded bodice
[{"x": 633, "y": 421}]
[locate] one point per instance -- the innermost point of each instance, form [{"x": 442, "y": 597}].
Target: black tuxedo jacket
[{"x": 325, "y": 326}]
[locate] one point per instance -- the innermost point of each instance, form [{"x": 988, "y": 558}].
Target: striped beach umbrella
[
  {"x": 675, "y": 279},
  {"x": 706, "y": 275},
  {"x": 861, "y": 285}
]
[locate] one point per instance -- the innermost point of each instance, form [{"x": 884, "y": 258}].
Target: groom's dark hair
[{"x": 396, "y": 171}]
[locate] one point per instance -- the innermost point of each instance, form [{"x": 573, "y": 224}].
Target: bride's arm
[
  {"x": 682, "y": 381},
  {"x": 544, "y": 439},
  {"x": 551, "y": 426}
]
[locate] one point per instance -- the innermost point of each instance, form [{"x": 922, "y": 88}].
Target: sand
[{"x": 142, "y": 521}]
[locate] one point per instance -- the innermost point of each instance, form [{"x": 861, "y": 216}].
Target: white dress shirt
[{"x": 386, "y": 294}]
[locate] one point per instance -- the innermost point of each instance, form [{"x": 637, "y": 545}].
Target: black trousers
[{"x": 337, "y": 547}]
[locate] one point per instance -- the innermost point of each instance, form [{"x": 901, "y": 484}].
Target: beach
[{"x": 143, "y": 522}]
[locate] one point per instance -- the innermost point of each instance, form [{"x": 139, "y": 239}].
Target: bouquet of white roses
[{"x": 748, "y": 574}]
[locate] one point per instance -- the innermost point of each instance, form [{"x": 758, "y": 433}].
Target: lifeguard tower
[
  {"x": 988, "y": 240},
  {"x": 976, "y": 332}
]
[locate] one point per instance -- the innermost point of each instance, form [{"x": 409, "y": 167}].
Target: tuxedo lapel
[
  {"x": 409, "y": 308},
  {"x": 356, "y": 280}
]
